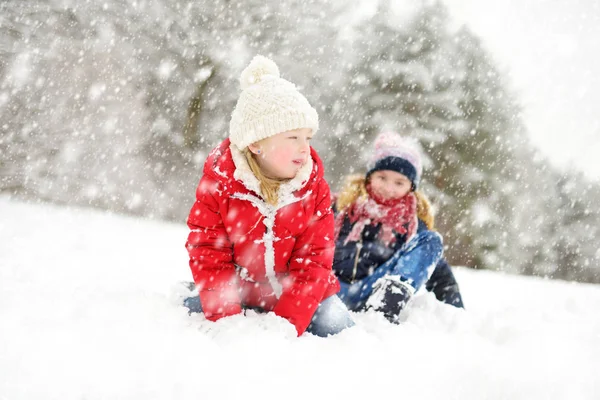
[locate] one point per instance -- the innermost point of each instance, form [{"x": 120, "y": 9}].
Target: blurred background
[{"x": 115, "y": 105}]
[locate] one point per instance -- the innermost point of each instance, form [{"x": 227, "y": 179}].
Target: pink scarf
[{"x": 397, "y": 215}]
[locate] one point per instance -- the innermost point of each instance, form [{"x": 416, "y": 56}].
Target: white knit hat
[{"x": 268, "y": 105}]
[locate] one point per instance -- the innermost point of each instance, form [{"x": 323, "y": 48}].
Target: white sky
[{"x": 550, "y": 50}]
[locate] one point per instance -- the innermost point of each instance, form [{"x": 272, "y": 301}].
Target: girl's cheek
[{"x": 282, "y": 155}]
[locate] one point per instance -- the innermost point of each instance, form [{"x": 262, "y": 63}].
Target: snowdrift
[{"x": 90, "y": 309}]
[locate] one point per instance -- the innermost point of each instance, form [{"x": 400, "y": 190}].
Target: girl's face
[
  {"x": 390, "y": 185},
  {"x": 281, "y": 156}
]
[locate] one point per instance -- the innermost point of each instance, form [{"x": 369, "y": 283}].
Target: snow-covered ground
[{"x": 89, "y": 309}]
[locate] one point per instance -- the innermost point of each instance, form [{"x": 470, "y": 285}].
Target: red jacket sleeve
[
  {"x": 310, "y": 265},
  {"x": 211, "y": 254}
]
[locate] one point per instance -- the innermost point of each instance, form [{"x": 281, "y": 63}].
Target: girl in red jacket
[{"x": 262, "y": 225}]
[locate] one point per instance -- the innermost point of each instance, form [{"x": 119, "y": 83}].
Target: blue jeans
[
  {"x": 331, "y": 316},
  {"x": 413, "y": 263}
]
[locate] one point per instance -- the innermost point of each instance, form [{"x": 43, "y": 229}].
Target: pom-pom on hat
[
  {"x": 396, "y": 153},
  {"x": 268, "y": 105}
]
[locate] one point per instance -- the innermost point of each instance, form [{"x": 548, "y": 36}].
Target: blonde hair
[
  {"x": 269, "y": 187},
  {"x": 355, "y": 188}
]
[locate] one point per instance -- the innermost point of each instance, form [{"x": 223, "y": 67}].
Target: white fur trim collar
[{"x": 244, "y": 174}]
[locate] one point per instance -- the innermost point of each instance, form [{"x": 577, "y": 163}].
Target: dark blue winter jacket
[{"x": 356, "y": 260}]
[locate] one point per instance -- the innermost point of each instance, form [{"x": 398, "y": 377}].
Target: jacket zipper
[{"x": 358, "y": 249}]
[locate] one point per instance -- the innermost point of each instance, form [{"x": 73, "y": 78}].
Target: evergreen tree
[
  {"x": 394, "y": 80},
  {"x": 575, "y": 241},
  {"x": 477, "y": 167}
]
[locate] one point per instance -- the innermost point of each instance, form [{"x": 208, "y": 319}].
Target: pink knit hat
[{"x": 396, "y": 153}]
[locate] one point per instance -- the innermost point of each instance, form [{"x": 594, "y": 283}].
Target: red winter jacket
[{"x": 246, "y": 251}]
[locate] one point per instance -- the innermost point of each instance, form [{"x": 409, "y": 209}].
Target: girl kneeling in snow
[
  {"x": 385, "y": 246},
  {"x": 262, "y": 225}
]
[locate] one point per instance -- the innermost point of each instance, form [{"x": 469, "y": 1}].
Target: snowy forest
[{"x": 115, "y": 105}]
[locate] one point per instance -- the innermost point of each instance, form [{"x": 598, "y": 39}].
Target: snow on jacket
[{"x": 246, "y": 252}]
